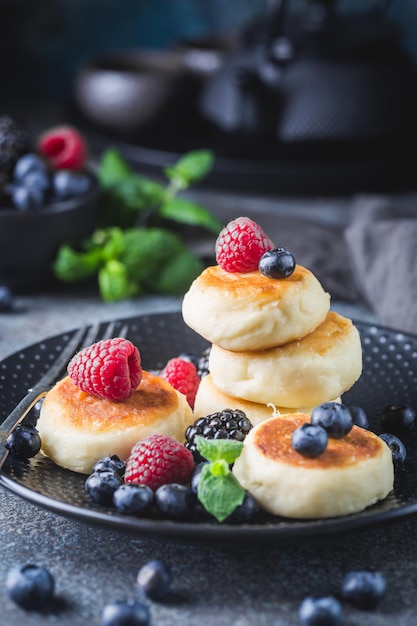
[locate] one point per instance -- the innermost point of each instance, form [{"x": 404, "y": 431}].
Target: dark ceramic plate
[{"x": 389, "y": 376}]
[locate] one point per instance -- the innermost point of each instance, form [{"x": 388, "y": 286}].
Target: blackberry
[
  {"x": 14, "y": 142},
  {"x": 203, "y": 363},
  {"x": 226, "y": 424}
]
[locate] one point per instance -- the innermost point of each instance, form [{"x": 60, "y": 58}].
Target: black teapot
[{"x": 316, "y": 82}]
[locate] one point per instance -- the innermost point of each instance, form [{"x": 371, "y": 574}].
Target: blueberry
[
  {"x": 100, "y": 486},
  {"x": 324, "y": 611},
  {"x": 28, "y": 198},
  {"x": 334, "y": 417},
  {"x": 133, "y": 499},
  {"x": 37, "y": 180},
  {"x": 6, "y": 299},
  {"x": 110, "y": 463},
  {"x": 363, "y": 589},
  {"x": 277, "y": 263},
  {"x": 154, "y": 579},
  {"x": 125, "y": 613},
  {"x": 23, "y": 442},
  {"x": 28, "y": 164},
  {"x": 245, "y": 512},
  {"x": 398, "y": 449},
  {"x": 195, "y": 476},
  {"x": 309, "y": 440},
  {"x": 359, "y": 416},
  {"x": 175, "y": 501},
  {"x": 67, "y": 184},
  {"x": 396, "y": 417},
  {"x": 30, "y": 586}
]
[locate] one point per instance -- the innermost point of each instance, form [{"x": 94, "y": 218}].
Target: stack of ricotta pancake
[
  {"x": 277, "y": 352},
  {"x": 276, "y": 346}
]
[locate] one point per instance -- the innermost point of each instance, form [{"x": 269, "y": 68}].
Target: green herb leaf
[
  {"x": 115, "y": 283},
  {"x": 219, "y": 493},
  {"x": 130, "y": 201},
  {"x": 147, "y": 251},
  {"x": 112, "y": 169},
  {"x": 187, "y": 212},
  {"x": 190, "y": 168},
  {"x": 111, "y": 242},
  {"x": 219, "y": 449},
  {"x": 70, "y": 265},
  {"x": 178, "y": 273}
]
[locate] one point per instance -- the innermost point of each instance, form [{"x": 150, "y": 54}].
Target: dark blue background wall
[{"x": 43, "y": 42}]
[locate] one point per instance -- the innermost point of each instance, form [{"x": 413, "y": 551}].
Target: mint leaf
[
  {"x": 178, "y": 273},
  {"x": 219, "y": 493},
  {"x": 219, "y": 449},
  {"x": 110, "y": 241},
  {"x": 186, "y": 212},
  {"x": 147, "y": 251},
  {"x": 70, "y": 265},
  {"x": 130, "y": 200},
  {"x": 112, "y": 168},
  {"x": 114, "y": 282},
  {"x": 190, "y": 168}
]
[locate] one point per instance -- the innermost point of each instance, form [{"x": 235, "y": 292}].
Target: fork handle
[{"x": 18, "y": 414}]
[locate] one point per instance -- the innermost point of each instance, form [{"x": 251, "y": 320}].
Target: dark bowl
[
  {"x": 29, "y": 241},
  {"x": 126, "y": 92}
]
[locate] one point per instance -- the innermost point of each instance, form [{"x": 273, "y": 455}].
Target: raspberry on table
[
  {"x": 158, "y": 460},
  {"x": 64, "y": 148},
  {"x": 182, "y": 375},
  {"x": 109, "y": 369},
  {"x": 240, "y": 245}
]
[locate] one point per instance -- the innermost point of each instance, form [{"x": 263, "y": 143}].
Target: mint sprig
[
  {"x": 218, "y": 489},
  {"x": 137, "y": 248}
]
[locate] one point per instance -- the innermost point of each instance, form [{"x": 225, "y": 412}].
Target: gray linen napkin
[{"x": 382, "y": 240}]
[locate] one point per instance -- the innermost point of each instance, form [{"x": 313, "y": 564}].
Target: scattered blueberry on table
[
  {"x": 125, "y": 612},
  {"x": 30, "y": 586},
  {"x": 154, "y": 579},
  {"x": 364, "y": 589},
  {"x": 323, "y": 611}
]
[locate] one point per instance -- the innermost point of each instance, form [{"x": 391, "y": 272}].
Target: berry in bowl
[{"x": 47, "y": 197}]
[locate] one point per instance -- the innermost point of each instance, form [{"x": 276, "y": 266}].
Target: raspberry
[
  {"x": 182, "y": 375},
  {"x": 109, "y": 369},
  {"x": 64, "y": 148},
  {"x": 159, "y": 460},
  {"x": 240, "y": 245}
]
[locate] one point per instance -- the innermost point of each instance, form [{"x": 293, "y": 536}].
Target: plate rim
[{"x": 161, "y": 529}]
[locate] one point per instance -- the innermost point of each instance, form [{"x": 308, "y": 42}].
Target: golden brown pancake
[
  {"x": 322, "y": 365},
  {"x": 209, "y": 400},
  {"x": 78, "y": 429},
  {"x": 252, "y": 312},
  {"x": 350, "y": 475}
]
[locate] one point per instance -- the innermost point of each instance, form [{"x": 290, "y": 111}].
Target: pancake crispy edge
[{"x": 353, "y": 473}]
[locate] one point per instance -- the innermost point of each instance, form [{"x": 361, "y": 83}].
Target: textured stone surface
[{"x": 220, "y": 586}]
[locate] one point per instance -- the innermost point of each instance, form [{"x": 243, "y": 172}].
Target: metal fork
[{"x": 82, "y": 338}]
